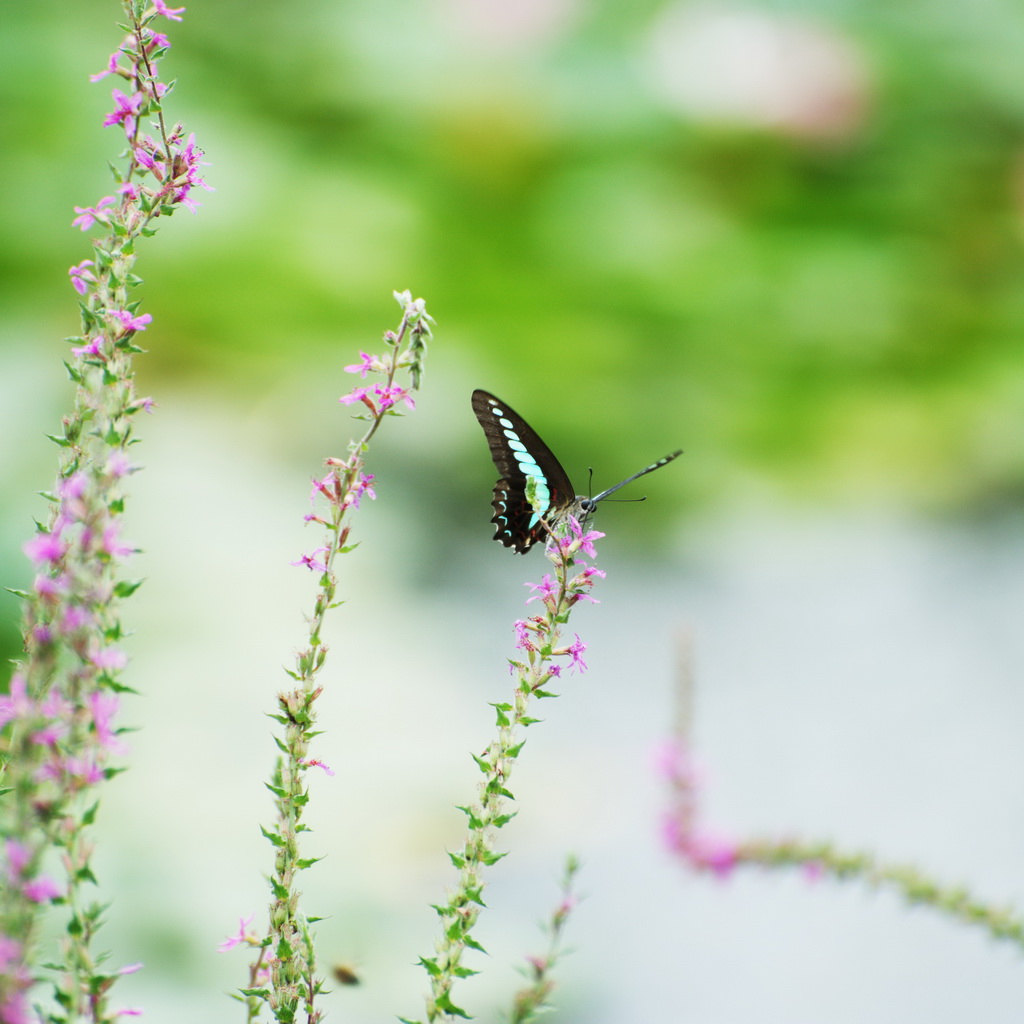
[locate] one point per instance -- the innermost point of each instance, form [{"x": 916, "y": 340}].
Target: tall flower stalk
[
  {"x": 57, "y": 731},
  {"x": 544, "y": 655},
  {"x": 283, "y": 976}
]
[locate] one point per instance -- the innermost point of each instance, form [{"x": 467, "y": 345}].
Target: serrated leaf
[
  {"x": 430, "y": 966},
  {"x": 445, "y": 1004},
  {"x": 276, "y": 839}
]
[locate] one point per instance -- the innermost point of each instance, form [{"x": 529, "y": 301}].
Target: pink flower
[
  {"x": 545, "y": 589},
  {"x": 89, "y": 215},
  {"x": 91, "y": 348},
  {"x": 358, "y": 395},
  {"x": 173, "y": 13},
  {"x": 313, "y": 762},
  {"x": 131, "y": 968},
  {"x": 118, "y": 465},
  {"x": 712, "y": 851},
  {"x": 523, "y": 640},
  {"x": 81, "y": 276},
  {"x": 109, "y": 658},
  {"x": 16, "y": 703},
  {"x": 44, "y": 547},
  {"x": 578, "y": 540},
  {"x": 366, "y": 363},
  {"x": 129, "y": 322},
  {"x": 126, "y": 109},
  {"x": 41, "y": 889},
  {"x": 243, "y": 936},
  {"x": 363, "y": 485},
  {"x": 104, "y": 707},
  {"x": 18, "y": 856},
  {"x": 311, "y": 562},
  {"x": 111, "y": 545},
  {"x": 110, "y": 69},
  {"x": 75, "y": 618},
  {"x": 575, "y": 651}
]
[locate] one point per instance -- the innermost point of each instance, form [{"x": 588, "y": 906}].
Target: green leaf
[
  {"x": 513, "y": 752},
  {"x": 503, "y": 819},
  {"x": 430, "y": 966},
  {"x": 277, "y": 840},
  {"x": 444, "y": 1002},
  {"x": 17, "y": 593},
  {"x": 62, "y": 442},
  {"x": 492, "y": 858},
  {"x": 457, "y": 859},
  {"x": 473, "y": 944},
  {"x": 483, "y": 765},
  {"x": 307, "y": 862},
  {"x": 90, "y": 815},
  {"x": 125, "y": 588}
]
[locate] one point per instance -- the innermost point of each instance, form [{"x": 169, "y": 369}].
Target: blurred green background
[{"x": 784, "y": 236}]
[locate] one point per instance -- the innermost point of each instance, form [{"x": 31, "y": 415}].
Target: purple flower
[
  {"x": 91, "y": 348},
  {"x": 522, "y": 631},
  {"x": 15, "y": 704},
  {"x": 126, "y": 109},
  {"x": 133, "y": 323},
  {"x": 118, "y": 465},
  {"x": 358, "y": 395},
  {"x": 44, "y": 547},
  {"x": 89, "y": 215},
  {"x": 174, "y": 13},
  {"x": 362, "y": 485},
  {"x": 146, "y": 159},
  {"x": 42, "y": 889},
  {"x": 111, "y": 545},
  {"x": 81, "y": 276},
  {"x": 18, "y": 856},
  {"x": 103, "y": 707},
  {"x": 311, "y": 562},
  {"x": 367, "y": 363},
  {"x": 391, "y": 394},
  {"x": 110, "y": 69},
  {"x": 131, "y": 968},
  {"x": 109, "y": 659},
  {"x": 313, "y": 762},
  {"x": 75, "y": 617},
  {"x": 157, "y": 40},
  {"x": 547, "y": 588},
  {"x": 578, "y": 540},
  {"x": 243, "y": 936},
  {"x": 575, "y": 651}
]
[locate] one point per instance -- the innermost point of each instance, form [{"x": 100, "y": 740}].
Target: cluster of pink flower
[
  {"x": 701, "y": 848},
  {"x": 174, "y": 161}
]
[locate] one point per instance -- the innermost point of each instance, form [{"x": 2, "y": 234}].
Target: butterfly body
[{"x": 520, "y": 455}]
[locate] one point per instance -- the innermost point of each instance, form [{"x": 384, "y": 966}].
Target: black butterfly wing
[{"x": 519, "y": 453}]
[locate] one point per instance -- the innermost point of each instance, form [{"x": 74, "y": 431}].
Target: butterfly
[{"x": 519, "y": 454}]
